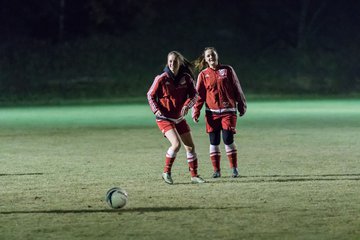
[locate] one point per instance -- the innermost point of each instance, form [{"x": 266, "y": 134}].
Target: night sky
[
  {"x": 54, "y": 19},
  {"x": 246, "y": 33}
]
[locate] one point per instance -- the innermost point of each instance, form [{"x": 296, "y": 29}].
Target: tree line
[{"x": 277, "y": 46}]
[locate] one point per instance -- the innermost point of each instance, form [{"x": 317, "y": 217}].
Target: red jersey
[
  {"x": 220, "y": 90},
  {"x": 169, "y": 97}
]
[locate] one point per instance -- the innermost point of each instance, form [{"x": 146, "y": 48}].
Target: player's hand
[
  {"x": 184, "y": 110},
  {"x": 195, "y": 116},
  {"x": 242, "y": 111}
]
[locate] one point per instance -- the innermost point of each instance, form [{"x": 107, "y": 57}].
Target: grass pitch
[{"x": 299, "y": 162}]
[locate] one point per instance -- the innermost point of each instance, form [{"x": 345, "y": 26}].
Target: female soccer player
[
  {"x": 170, "y": 97},
  {"x": 220, "y": 90}
]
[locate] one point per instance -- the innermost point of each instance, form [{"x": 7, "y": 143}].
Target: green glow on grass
[
  {"x": 77, "y": 116},
  {"x": 301, "y": 112}
]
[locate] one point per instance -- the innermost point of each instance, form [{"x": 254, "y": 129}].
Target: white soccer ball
[{"x": 116, "y": 197}]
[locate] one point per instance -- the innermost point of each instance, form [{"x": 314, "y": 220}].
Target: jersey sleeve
[
  {"x": 201, "y": 89},
  {"x": 152, "y": 96},
  {"x": 239, "y": 94},
  {"x": 193, "y": 94}
]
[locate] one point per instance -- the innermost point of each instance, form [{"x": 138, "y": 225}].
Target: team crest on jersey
[
  {"x": 167, "y": 83},
  {"x": 207, "y": 75},
  {"x": 222, "y": 72}
]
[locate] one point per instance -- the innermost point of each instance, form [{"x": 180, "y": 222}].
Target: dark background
[{"x": 62, "y": 49}]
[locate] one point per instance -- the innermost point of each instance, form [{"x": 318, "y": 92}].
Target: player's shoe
[
  {"x": 167, "y": 178},
  {"x": 216, "y": 174},
  {"x": 197, "y": 179},
  {"x": 235, "y": 172}
]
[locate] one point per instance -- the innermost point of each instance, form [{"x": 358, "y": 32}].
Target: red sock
[
  {"x": 168, "y": 164},
  {"x": 215, "y": 160},
  {"x": 232, "y": 156},
  {"x": 193, "y": 166},
  {"x": 193, "y": 163}
]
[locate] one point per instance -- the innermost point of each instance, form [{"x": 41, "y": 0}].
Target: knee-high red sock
[
  {"x": 215, "y": 157},
  {"x": 233, "y": 159},
  {"x": 215, "y": 160},
  {"x": 231, "y": 154},
  {"x": 193, "y": 163},
  {"x": 168, "y": 164},
  {"x": 169, "y": 160}
]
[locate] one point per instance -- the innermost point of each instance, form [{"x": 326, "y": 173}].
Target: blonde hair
[
  {"x": 200, "y": 63},
  {"x": 189, "y": 67},
  {"x": 178, "y": 55}
]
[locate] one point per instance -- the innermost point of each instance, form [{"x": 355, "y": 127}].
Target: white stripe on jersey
[
  {"x": 221, "y": 110},
  {"x": 151, "y": 100}
]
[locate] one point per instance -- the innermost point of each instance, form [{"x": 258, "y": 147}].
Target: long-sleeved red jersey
[
  {"x": 170, "y": 97},
  {"x": 220, "y": 90}
]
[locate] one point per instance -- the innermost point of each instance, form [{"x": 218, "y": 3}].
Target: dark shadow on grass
[
  {"x": 307, "y": 175},
  {"x": 299, "y": 180},
  {"x": 125, "y": 210},
  {"x": 291, "y": 178},
  {"x": 280, "y": 178},
  {"x": 19, "y": 174}
]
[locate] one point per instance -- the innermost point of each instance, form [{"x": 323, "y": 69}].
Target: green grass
[{"x": 299, "y": 162}]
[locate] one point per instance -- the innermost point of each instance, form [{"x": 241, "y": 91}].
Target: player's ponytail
[
  {"x": 189, "y": 67},
  {"x": 200, "y": 63}
]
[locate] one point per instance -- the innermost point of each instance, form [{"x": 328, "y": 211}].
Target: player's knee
[
  {"x": 190, "y": 149},
  {"x": 228, "y": 137},
  {"x": 176, "y": 146},
  {"x": 214, "y": 138}
]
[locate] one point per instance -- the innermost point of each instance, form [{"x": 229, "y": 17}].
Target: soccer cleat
[
  {"x": 235, "y": 172},
  {"x": 216, "y": 174},
  {"x": 197, "y": 179},
  {"x": 167, "y": 178}
]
